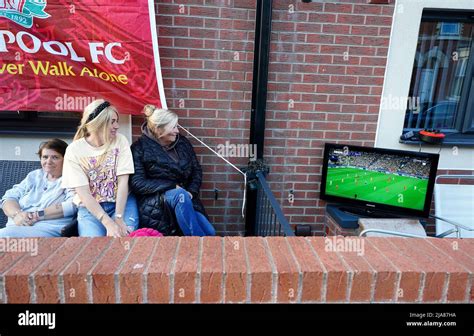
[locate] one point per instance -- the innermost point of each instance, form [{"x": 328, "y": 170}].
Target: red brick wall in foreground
[{"x": 236, "y": 269}]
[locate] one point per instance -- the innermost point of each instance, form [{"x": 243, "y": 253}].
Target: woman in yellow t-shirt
[{"x": 97, "y": 165}]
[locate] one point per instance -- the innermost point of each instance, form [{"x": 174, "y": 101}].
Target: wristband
[{"x": 40, "y": 215}]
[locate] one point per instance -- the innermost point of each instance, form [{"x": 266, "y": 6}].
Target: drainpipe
[{"x": 263, "y": 29}]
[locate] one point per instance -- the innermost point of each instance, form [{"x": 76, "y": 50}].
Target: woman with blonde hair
[
  {"x": 97, "y": 165},
  {"x": 167, "y": 178}
]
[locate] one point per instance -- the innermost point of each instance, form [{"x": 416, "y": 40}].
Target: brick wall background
[
  {"x": 327, "y": 65},
  {"x": 206, "y": 51}
]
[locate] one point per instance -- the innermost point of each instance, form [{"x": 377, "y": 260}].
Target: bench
[{"x": 13, "y": 172}]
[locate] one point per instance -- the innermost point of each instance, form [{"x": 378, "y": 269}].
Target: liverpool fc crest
[{"x": 23, "y": 11}]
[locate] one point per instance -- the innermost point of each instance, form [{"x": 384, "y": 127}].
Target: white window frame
[{"x": 400, "y": 61}]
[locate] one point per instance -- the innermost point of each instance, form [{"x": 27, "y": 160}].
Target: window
[
  {"x": 39, "y": 123},
  {"x": 442, "y": 83}
]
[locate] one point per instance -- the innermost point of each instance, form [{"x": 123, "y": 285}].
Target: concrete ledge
[{"x": 236, "y": 269}]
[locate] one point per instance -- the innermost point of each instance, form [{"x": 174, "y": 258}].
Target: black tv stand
[
  {"x": 347, "y": 216},
  {"x": 366, "y": 212}
]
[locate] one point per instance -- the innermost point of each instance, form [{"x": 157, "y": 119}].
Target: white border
[
  {"x": 156, "y": 53},
  {"x": 400, "y": 59}
]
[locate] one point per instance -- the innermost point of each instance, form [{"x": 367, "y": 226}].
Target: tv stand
[
  {"x": 365, "y": 212},
  {"x": 347, "y": 217},
  {"x": 344, "y": 220}
]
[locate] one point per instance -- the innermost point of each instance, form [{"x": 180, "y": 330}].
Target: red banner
[{"x": 61, "y": 55}]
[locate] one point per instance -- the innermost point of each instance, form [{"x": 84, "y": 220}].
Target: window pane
[
  {"x": 60, "y": 115},
  {"x": 11, "y": 115},
  {"x": 438, "y": 74},
  {"x": 39, "y": 122}
]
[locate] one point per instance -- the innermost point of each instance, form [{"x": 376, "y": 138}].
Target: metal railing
[{"x": 270, "y": 220}]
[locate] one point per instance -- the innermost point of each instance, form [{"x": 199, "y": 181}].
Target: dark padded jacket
[{"x": 155, "y": 173}]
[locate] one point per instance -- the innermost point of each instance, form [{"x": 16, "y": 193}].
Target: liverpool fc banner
[{"x": 54, "y": 54}]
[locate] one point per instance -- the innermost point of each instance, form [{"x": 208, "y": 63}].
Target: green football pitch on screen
[{"x": 382, "y": 188}]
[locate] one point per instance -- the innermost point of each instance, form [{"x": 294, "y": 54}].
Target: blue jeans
[
  {"x": 40, "y": 229},
  {"x": 90, "y": 226},
  {"x": 191, "y": 222}
]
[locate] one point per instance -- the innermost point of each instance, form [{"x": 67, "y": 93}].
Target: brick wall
[
  {"x": 327, "y": 65},
  {"x": 206, "y": 51},
  {"x": 236, "y": 269},
  {"x": 326, "y": 76}
]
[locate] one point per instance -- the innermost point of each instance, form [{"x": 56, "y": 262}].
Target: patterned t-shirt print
[{"x": 102, "y": 173}]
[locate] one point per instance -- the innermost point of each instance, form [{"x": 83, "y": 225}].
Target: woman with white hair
[
  {"x": 167, "y": 178},
  {"x": 97, "y": 165}
]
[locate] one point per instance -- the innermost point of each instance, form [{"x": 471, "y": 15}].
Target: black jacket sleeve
[
  {"x": 196, "y": 175},
  {"x": 139, "y": 183}
]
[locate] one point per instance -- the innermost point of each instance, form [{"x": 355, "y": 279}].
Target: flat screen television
[{"x": 380, "y": 180}]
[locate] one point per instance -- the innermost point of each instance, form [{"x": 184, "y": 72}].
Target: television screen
[{"x": 384, "y": 179}]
